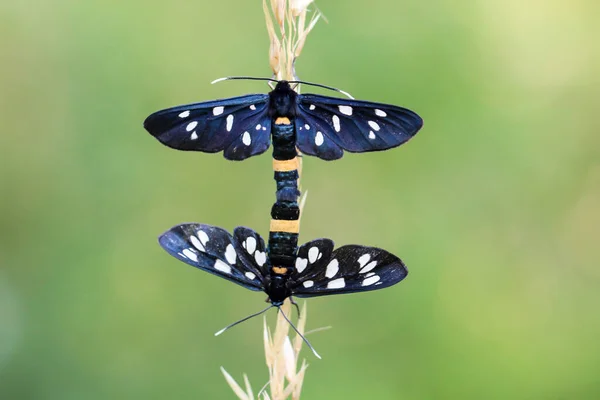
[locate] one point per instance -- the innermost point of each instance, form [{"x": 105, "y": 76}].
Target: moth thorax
[
  {"x": 282, "y": 104},
  {"x": 277, "y": 289}
]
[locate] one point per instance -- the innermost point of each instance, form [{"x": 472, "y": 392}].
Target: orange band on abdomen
[
  {"x": 285, "y": 165},
  {"x": 281, "y": 225},
  {"x": 280, "y": 270},
  {"x": 282, "y": 121}
]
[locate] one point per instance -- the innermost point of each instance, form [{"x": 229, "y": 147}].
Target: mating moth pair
[{"x": 316, "y": 125}]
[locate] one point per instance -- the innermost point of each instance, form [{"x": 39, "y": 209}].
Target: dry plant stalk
[
  {"x": 288, "y": 29},
  {"x": 281, "y": 355}
]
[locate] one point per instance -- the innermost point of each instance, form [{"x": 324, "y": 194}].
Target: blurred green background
[{"x": 494, "y": 206}]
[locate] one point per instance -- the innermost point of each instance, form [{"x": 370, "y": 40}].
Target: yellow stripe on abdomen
[
  {"x": 282, "y": 121},
  {"x": 286, "y": 165},
  {"x": 280, "y": 225}
]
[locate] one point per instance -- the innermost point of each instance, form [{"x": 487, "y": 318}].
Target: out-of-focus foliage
[{"x": 494, "y": 206}]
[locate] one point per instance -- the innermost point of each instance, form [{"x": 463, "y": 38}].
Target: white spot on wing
[
  {"x": 230, "y": 254},
  {"x": 250, "y": 244},
  {"x": 190, "y": 254},
  {"x": 301, "y": 264},
  {"x": 332, "y": 268},
  {"x": 313, "y": 254},
  {"x": 362, "y": 260},
  {"x": 218, "y": 110},
  {"x": 306, "y": 126},
  {"x": 253, "y": 107},
  {"x": 184, "y": 114},
  {"x": 260, "y": 257},
  {"x": 369, "y": 274},
  {"x": 221, "y": 266},
  {"x": 371, "y": 280},
  {"x": 336, "y": 284},
  {"x": 229, "y": 122},
  {"x": 202, "y": 236},
  {"x": 250, "y": 275},
  {"x": 246, "y": 139},
  {"x": 197, "y": 243},
  {"x": 264, "y": 128},
  {"x": 374, "y": 125},
  {"x": 347, "y": 110},
  {"x": 258, "y": 127},
  {"x": 319, "y": 139},
  {"x": 308, "y": 284},
  {"x": 336, "y": 123},
  {"x": 311, "y": 107},
  {"x": 380, "y": 113},
  {"x": 368, "y": 267},
  {"x": 191, "y": 126},
  {"x": 194, "y": 135},
  {"x": 371, "y": 135}
]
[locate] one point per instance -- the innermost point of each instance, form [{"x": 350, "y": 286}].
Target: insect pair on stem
[{"x": 317, "y": 125}]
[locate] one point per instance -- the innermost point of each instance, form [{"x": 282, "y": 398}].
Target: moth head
[{"x": 276, "y": 287}]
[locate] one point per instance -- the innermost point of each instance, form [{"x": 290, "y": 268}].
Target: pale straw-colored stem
[
  {"x": 287, "y": 41},
  {"x": 281, "y": 356},
  {"x": 288, "y": 30}
]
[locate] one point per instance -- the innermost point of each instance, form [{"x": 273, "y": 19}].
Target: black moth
[
  {"x": 318, "y": 270},
  {"x": 325, "y": 126}
]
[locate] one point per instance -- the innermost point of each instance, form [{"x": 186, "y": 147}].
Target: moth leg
[{"x": 295, "y": 305}]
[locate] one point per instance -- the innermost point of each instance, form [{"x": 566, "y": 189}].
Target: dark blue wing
[
  {"x": 251, "y": 249},
  {"x": 239, "y": 126},
  {"x": 348, "y": 269},
  {"x": 213, "y": 250},
  {"x": 311, "y": 259},
  {"x": 328, "y": 125}
]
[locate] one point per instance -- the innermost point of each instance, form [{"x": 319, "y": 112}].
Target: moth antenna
[
  {"x": 301, "y": 335},
  {"x": 249, "y": 78},
  {"x": 325, "y": 87},
  {"x": 243, "y": 319}
]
